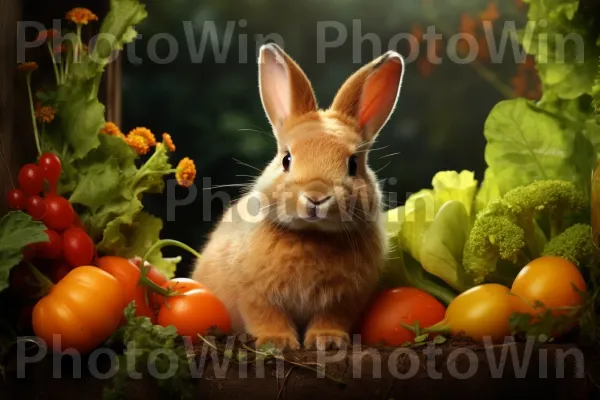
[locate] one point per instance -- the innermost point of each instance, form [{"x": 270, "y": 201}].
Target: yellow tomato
[{"x": 481, "y": 312}]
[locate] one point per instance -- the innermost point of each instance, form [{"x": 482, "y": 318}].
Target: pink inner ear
[
  {"x": 379, "y": 95},
  {"x": 275, "y": 84}
]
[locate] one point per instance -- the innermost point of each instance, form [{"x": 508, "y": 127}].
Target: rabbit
[{"x": 305, "y": 246}]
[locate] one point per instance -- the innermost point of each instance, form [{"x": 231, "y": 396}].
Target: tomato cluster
[{"x": 69, "y": 245}]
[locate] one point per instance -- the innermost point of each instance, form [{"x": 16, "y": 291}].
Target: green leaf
[
  {"x": 419, "y": 213},
  {"x": 439, "y": 339},
  {"x": 488, "y": 191},
  {"x": 103, "y": 172},
  {"x": 525, "y": 144},
  {"x": 454, "y": 186},
  {"x": 443, "y": 244},
  {"x": 17, "y": 230}
]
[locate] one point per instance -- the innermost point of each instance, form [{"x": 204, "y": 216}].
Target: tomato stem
[
  {"x": 147, "y": 283},
  {"x": 44, "y": 282}
]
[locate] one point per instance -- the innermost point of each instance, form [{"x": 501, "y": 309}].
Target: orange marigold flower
[
  {"x": 491, "y": 13},
  {"x": 81, "y": 16},
  {"x": 186, "y": 172},
  {"x": 47, "y": 34},
  {"x": 28, "y": 66},
  {"x": 145, "y": 134},
  {"x": 111, "y": 129},
  {"x": 45, "y": 114},
  {"x": 138, "y": 144},
  {"x": 168, "y": 141}
]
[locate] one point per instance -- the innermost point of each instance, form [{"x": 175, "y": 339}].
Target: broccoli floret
[
  {"x": 507, "y": 229},
  {"x": 575, "y": 244},
  {"x": 493, "y": 237}
]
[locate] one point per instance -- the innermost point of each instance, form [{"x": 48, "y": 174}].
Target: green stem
[
  {"x": 147, "y": 283},
  {"x": 68, "y": 60},
  {"x": 555, "y": 225},
  {"x": 56, "y": 74},
  {"x": 35, "y": 129},
  {"x": 78, "y": 46},
  {"x": 44, "y": 282},
  {"x": 139, "y": 175}
]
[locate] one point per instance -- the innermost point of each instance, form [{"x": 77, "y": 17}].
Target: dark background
[{"x": 213, "y": 112}]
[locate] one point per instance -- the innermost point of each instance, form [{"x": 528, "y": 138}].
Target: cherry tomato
[
  {"x": 36, "y": 207},
  {"x": 195, "y": 312},
  {"x": 16, "y": 199},
  {"x": 180, "y": 285},
  {"x": 60, "y": 214},
  {"x": 51, "y": 166},
  {"x": 52, "y": 249},
  {"x": 128, "y": 274},
  {"x": 31, "y": 179},
  {"x": 481, "y": 312},
  {"x": 82, "y": 310},
  {"x": 393, "y": 307},
  {"x": 78, "y": 247}
]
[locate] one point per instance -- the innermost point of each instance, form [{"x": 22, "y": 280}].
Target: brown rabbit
[{"x": 304, "y": 248}]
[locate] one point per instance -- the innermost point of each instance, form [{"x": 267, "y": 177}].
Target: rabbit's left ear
[
  {"x": 285, "y": 91},
  {"x": 371, "y": 93}
]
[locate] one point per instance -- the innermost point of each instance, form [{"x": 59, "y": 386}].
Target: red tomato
[
  {"x": 16, "y": 199},
  {"x": 51, "y": 167},
  {"x": 36, "y": 207},
  {"x": 128, "y": 274},
  {"x": 393, "y": 307},
  {"x": 52, "y": 249},
  {"x": 180, "y": 285},
  {"x": 31, "y": 179},
  {"x": 195, "y": 312},
  {"x": 82, "y": 310},
  {"x": 59, "y": 214},
  {"x": 78, "y": 247}
]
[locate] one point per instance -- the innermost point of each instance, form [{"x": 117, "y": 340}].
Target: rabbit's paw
[
  {"x": 279, "y": 340},
  {"x": 323, "y": 339}
]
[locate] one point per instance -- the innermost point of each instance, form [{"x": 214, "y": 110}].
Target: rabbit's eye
[
  {"x": 352, "y": 165},
  {"x": 287, "y": 160}
]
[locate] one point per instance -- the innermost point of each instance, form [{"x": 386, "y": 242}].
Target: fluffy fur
[{"x": 304, "y": 248}]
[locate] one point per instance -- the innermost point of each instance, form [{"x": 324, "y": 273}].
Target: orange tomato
[
  {"x": 180, "y": 285},
  {"x": 195, "y": 312},
  {"x": 550, "y": 281},
  {"x": 83, "y": 309},
  {"x": 128, "y": 274},
  {"x": 393, "y": 307}
]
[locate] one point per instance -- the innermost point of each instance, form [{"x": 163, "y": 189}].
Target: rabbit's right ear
[{"x": 285, "y": 91}]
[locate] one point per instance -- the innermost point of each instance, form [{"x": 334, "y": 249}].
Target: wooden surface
[
  {"x": 16, "y": 134},
  {"x": 356, "y": 370}
]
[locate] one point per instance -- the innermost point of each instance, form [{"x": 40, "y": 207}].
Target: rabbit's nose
[{"x": 316, "y": 200}]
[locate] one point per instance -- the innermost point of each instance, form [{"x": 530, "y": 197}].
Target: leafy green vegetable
[
  {"x": 567, "y": 66},
  {"x": 509, "y": 228},
  {"x": 143, "y": 339},
  {"x": 17, "y": 230},
  {"x": 443, "y": 244},
  {"x": 525, "y": 144}
]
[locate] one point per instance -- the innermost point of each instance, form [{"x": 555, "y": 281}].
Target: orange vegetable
[
  {"x": 128, "y": 275},
  {"x": 195, "y": 312},
  {"x": 84, "y": 309},
  {"x": 549, "y": 281}
]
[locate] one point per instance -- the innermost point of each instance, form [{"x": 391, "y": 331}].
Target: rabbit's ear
[
  {"x": 285, "y": 91},
  {"x": 371, "y": 93}
]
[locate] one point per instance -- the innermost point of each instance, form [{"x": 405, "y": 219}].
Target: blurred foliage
[{"x": 213, "y": 111}]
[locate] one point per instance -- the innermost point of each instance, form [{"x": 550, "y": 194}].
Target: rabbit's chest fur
[{"x": 304, "y": 272}]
